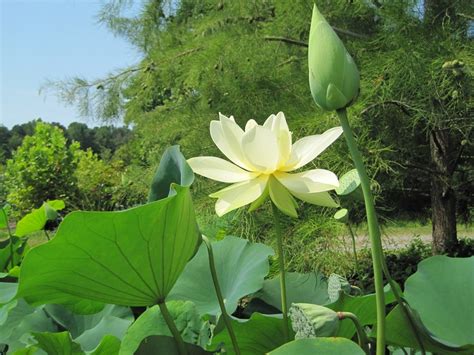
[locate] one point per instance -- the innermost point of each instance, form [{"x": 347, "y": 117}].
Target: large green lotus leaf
[
  {"x": 398, "y": 333},
  {"x": 21, "y": 322},
  {"x": 164, "y": 345},
  {"x": 364, "y": 307},
  {"x": 320, "y": 346},
  {"x": 131, "y": 257},
  {"x": 192, "y": 328},
  {"x": 241, "y": 268},
  {"x": 258, "y": 335},
  {"x": 173, "y": 169},
  {"x": 300, "y": 288},
  {"x": 36, "y": 219},
  {"x": 442, "y": 292}
]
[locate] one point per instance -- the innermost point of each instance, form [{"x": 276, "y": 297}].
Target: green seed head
[
  {"x": 311, "y": 320},
  {"x": 333, "y": 75}
]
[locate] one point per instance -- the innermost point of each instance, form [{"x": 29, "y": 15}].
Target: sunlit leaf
[
  {"x": 131, "y": 257},
  {"x": 36, "y": 219},
  {"x": 241, "y": 267}
]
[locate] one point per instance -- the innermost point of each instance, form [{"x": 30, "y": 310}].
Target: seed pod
[{"x": 311, "y": 320}]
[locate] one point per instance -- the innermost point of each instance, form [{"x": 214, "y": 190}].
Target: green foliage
[{"x": 41, "y": 169}]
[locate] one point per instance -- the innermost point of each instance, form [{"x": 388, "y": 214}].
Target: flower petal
[
  {"x": 282, "y": 198},
  {"x": 219, "y": 169},
  {"x": 308, "y": 148},
  {"x": 227, "y": 136},
  {"x": 261, "y": 149},
  {"x": 318, "y": 198},
  {"x": 239, "y": 195},
  {"x": 311, "y": 181},
  {"x": 250, "y": 124},
  {"x": 277, "y": 124}
]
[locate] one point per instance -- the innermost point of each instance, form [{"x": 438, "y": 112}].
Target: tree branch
[
  {"x": 304, "y": 44},
  {"x": 403, "y": 106}
]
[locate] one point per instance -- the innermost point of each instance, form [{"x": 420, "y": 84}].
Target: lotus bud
[
  {"x": 311, "y": 320},
  {"x": 333, "y": 75}
]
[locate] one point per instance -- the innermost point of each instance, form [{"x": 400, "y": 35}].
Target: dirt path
[{"x": 396, "y": 241}]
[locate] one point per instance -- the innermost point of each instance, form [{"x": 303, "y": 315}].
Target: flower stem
[
  {"x": 363, "y": 340},
  {"x": 351, "y": 232},
  {"x": 215, "y": 280},
  {"x": 172, "y": 327},
  {"x": 46, "y": 234},
  {"x": 10, "y": 236},
  {"x": 281, "y": 262},
  {"x": 374, "y": 231}
]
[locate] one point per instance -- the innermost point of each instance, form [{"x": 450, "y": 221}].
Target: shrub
[{"x": 41, "y": 169}]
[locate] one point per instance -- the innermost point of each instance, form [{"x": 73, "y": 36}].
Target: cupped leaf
[
  {"x": 192, "y": 328},
  {"x": 258, "y": 335},
  {"x": 399, "y": 333},
  {"x": 320, "y": 346},
  {"x": 440, "y": 294},
  {"x": 349, "y": 184},
  {"x": 36, "y": 219},
  {"x": 131, "y": 257},
  {"x": 342, "y": 215},
  {"x": 300, "y": 288},
  {"x": 173, "y": 169},
  {"x": 241, "y": 267}
]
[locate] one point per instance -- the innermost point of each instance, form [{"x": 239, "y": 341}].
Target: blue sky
[{"x": 52, "y": 39}]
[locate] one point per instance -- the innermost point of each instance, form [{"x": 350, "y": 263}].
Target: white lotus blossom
[{"x": 261, "y": 157}]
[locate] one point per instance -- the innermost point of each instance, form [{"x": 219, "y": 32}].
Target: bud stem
[
  {"x": 374, "y": 231},
  {"x": 362, "y": 336},
  {"x": 378, "y": 258}
]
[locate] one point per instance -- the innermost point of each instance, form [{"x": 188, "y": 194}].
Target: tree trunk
[{"x": 443, "y": 197}]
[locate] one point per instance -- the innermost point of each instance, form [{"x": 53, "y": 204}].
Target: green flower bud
[
  {"x": 333, "y": 75},
  {"x": 311, "y": 320}
]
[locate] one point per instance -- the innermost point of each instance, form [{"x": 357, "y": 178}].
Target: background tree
[
  {"x": 249, "y": 59},
  {"x": 41, "y": 169}
]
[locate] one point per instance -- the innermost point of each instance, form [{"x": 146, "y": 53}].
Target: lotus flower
[{"x": 261, "y": 158}]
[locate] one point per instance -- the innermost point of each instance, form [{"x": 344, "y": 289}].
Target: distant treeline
[{"x": 103, "y": 140}]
